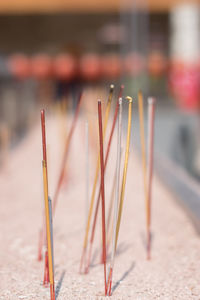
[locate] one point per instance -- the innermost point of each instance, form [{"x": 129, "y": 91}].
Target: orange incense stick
[
  {"x": 105, "y": 164},
  {"x": 108, "y": 106},
  {"x": 102, "y": 190},
  {"x": 47, "y": 214},
  {"x": 151, "y": 118},
  {"x": 144, "y": 167}
]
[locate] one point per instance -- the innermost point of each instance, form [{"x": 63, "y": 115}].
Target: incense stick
[
  {"x": 65, "y": 156},
  {"x": 102, "y": 190},
  {"x": 99, "y": 194},
  {"x": 5, "y": 141},
  {"x": 51, "y": 229},
  {"x": 52, "y": 289},
  {"x": 109, "y": 283},
  {"x": 144, "y": 168},
  {"x": 108, "y": 106},
  {"x": 86, "y": 171},
  {"x": 118, "y": 208},
  {"x": 117, "y": 177},
  {"x": 46, "y": 264},
  {"x": 62, "y": 122},
  {"x": 110, "y": 225},
  {"x": 151, "y": 119},
  {"x": 46, "y": 268},
  {"x": 113, "y": 184},
  {"x": 47, "y": 215},
  {"x": 109, "y": 216}
]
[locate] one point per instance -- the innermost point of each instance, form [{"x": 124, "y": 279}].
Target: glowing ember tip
[
  {"x": 129, "y": 99},
  {"x": 112, "y": 87},
  {"x": 151, "y": 100}
]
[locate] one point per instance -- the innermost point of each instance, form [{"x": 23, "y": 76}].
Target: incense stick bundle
[
  {"x": 118, "y": 207},
  {"x": 108, "y": 106},
  {"x": 102, "y": 191},
  {"x": 151, "y": 119},
  {"x": 62, "y": 173},
  {"x": 110, "y": 209},
  {"x": 47, "y": 213},
  {"x": 99, "y": 194},
  {"x": 116, "y": 204}
]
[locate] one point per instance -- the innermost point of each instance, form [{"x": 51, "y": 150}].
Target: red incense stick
[
  {"x": 102, "y": 190},
  {"x": 99, "y": 194},
  {"x": 48, "y": 215},
  {"x": 46, "y": 265},
  {"x": 46, "y": 270},
  {"x": 107, "y": 112},
  {"x": 66, "y": 152}
]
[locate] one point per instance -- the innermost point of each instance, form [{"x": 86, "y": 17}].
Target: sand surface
[{"x": 173, "y": 272}]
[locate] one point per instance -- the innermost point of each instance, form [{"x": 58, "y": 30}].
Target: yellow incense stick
[
  {"x": 125, "y": 169},
  {"x": 48, "y": 229},
  {"x": 108, "y": 106},
  {"x": 143, "y": 150}
]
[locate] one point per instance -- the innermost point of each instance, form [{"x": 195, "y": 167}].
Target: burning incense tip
[
  {"x": 140, "y": 93},
  {"x": 129, "y": 99},
  {"x": 151, "y": 100},
  {"x": 111, "y": 88}
]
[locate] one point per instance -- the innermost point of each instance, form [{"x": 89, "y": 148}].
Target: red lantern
[
  {"x": 111, "y": 66},
  {"x": 65, "y": 67},
  {"x": 157, "y": 64},
  {"x": 90, "y": 67},
  {"x": 41, "y": 66},
  {"x": 184, "y": 81},
  {"x": 134, "y": 64},
  {"x": 19, "y": 66}
]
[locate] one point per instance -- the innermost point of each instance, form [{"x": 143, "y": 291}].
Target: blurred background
[{"x": 49, "y": 50}]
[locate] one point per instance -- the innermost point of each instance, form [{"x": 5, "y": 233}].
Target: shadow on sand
[
  {"x": 58, "y": 287},
  {"x": 115, "y": 286}
]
